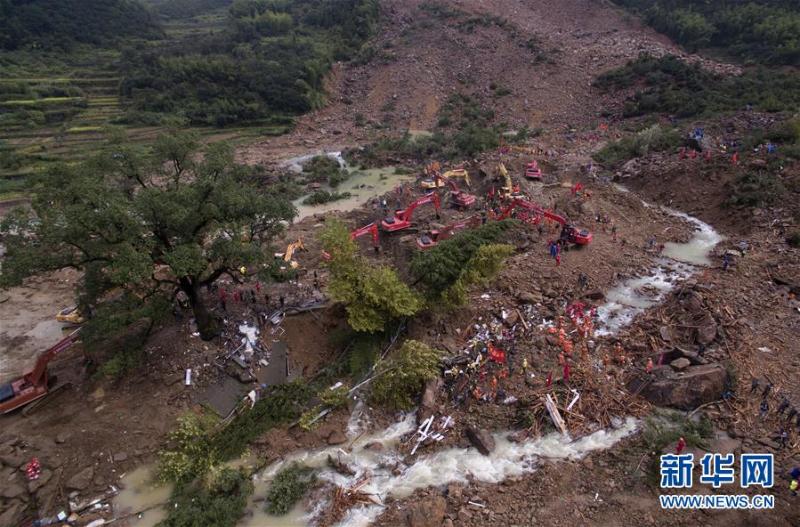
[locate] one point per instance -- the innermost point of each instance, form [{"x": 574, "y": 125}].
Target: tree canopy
[
  {"x": 766, "y": 31},
  {"x": 146, "y": 223},
  {"x": 372, "y": 295},
  {"x": 269, "y": 61},
  {"x": 62, "y": 23}
]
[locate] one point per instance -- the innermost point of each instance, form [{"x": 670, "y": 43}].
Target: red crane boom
[
  {"x": 402, "y": 218},
  {"x": 33, "y": 385}
]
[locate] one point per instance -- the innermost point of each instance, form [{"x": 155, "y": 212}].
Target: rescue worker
[
  {"x": 649, "y": 367},
  {"x": 726, "y": 261},
  {"x": 764, "y": 408},
  {"x": 680, "y": 446}
]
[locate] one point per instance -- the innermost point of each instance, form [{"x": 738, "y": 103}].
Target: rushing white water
[
  {"x": 678, "y": 262},
  {"x": 390, "y": 477}
]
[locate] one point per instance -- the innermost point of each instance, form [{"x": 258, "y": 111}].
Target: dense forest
[
  {"x": 270, "y": 60},
  {"x": 60, "y": 24},
  {"x": 762, "y": 31},
  {"x": 185, "y": 8}
]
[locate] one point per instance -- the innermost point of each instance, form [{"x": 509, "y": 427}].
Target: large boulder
[
  {"x": 694, "y": 386},
  {"x": 81, "y": 480},
  {"x": 481, "y": 439},
  {"x": 427, "y": 513},
  {"x": 706, "y": 330}
]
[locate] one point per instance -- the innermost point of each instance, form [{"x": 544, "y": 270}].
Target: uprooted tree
[
  {"x": 372, "y": 295},
  {"x": 145, "y": 225}
]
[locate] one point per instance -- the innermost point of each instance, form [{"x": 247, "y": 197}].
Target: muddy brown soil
[{"x": 100, "y": 429}]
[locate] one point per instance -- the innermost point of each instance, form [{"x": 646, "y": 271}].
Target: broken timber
[{"x": 555, "y": 415}]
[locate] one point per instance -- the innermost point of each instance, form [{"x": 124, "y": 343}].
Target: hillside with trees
[
  {"x": 763, "y": 31},
  {"x": 268, "y": 62},
  {"x": 60, "y": 24}
]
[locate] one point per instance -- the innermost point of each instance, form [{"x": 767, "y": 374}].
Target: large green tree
[
  {"x": 373, "y": 295},
  {"x": 150, "y": 223}
]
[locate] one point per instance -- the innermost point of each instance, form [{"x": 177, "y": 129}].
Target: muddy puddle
[
  {"x": 140, "y": 492},
  {"x": 362, "y": 185}
]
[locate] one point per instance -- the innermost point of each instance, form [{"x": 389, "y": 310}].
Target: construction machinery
[
  {"x": 533, "y": 213},
  {"x": 508, "y": 191},
  {"x": 532, "y": 171},
  {"x": 460, "y": 198},
  {"x": 402, "y": 218},
  {"x": 426, "y": 241},
  {"x": 371, "y": 229},
  {"x": 34, "y": 384},
  {"x": 288, "y": 255},
  {"x": 70, "y": 315},
  {"x": 436, "y": 179}
]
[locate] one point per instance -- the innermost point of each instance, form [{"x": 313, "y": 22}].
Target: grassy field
[{"x": 65, "y": 107}]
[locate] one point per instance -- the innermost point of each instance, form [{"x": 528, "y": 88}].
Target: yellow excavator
[
  {"x": 288, "y": 255},
  {"x": 437, "y": 181},
  {"x": 508, "y": 191},
  {"x": 70, "y": 315}
]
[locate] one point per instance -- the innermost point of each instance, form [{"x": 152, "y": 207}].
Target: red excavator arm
[
  {"x": 433, "y": 197},
  {"x": 372, "y": 229},
  {"x": 402, "y": 218},
  {"x": 36, "y": 375},
  {"x": 428, "y": 241}
]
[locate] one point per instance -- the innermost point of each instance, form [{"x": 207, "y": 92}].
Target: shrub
[
  {"x": 191, "y": 453},
  {"x": 753, "y": 189},
  {"x": 372, "y": 295},
  {"x": 318, "y": 197},
  {"x": 288, "y": 487},
  {"x": 218, "y": 502},
  {"x": 652, "y": 139},
  {"x": 401, "y": 378},
  {"x": 440, "y": 267},
  {"x": 481, "y": 268},
  {"x": 793, "y": 239}
]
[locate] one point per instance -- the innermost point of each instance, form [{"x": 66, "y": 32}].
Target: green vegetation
[
  {"x": 756, "y": 189},
  {"x": 480, "y": 269},
  {"x": 464, "y": 130},
  {"x": 288, "y": 487},
  {"x": 318, "y": 197},
  {"x": 373, "y": 295},
  {"x": 191, "y": 453},
  {"x": 664, "y": 427},
  {"x": 61, "y": 24},
  {"x": 268, "y": 62},
  {"x": 652, "y": 139},
  {"x": 279, "y": 405},
  {"x": 764, "y": 31},
  {"x": 669, "y": 85},
  {"x": 441, "y": 267},
  {"x": 121, "y": 216},
  {"x": 171, "y": 9},
  {"x": 218, "y": 501},
  {"x": 323, "y": 169},
  {"x": 400, "y": 379}
]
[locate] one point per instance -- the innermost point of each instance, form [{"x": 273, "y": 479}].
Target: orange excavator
[
  {"x": 532, "y": 171},
  {"x": 402, "y": 218},
  {"x": 426, "y": 241},
  {"x": 533, "y": 213},
  {"x": 34, "y": 384},
  {"x": 371, "y": 229}
]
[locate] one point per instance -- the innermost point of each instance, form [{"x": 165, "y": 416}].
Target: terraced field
[{"x": 66, "y": 108}]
